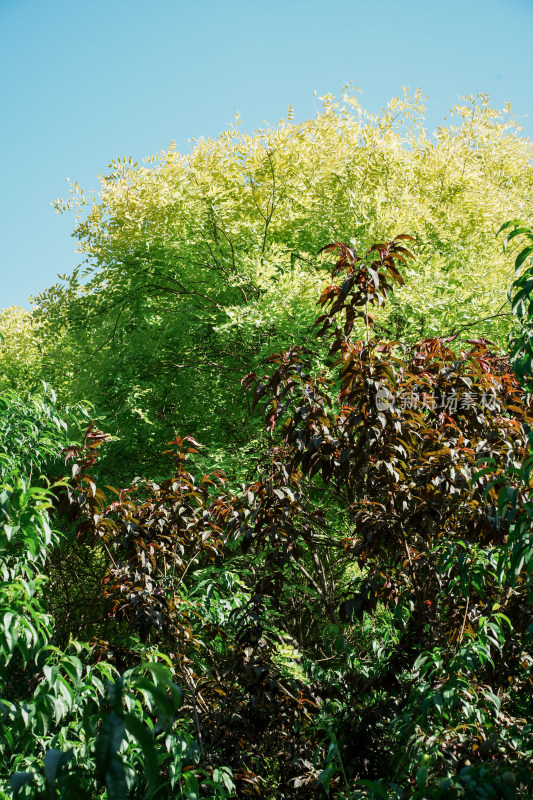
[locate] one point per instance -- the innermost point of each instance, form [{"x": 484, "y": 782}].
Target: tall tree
[
  {"x": 389, "y": 440},
  {"x": 196, "y": 265}
]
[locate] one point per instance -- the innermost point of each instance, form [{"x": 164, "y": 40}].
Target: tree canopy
[
  {"x": 323, "y": 586},
  {"x": 196, "y": 265}
]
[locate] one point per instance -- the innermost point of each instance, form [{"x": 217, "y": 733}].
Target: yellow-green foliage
[
  {"x": 20, "y": 354},
  {"x": 243, "y": 208},
  {"x": 196, "y": 265},
  {"x": 287, "y": 658}
]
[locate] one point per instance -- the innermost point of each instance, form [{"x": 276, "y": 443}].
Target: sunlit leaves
[
  {"x": 199, "y": 264},
  {"x": 58, "y": 733}
]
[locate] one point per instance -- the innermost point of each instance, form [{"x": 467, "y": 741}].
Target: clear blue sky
[{"x": 84, "y": 81}]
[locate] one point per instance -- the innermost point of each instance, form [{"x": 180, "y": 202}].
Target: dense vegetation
[{"x": 271, "y": 532}]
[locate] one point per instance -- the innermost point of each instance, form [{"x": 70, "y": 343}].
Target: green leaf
[
  {"x": 115, "y": 780},
  {"x": 522, "y": 256},
  {"x": 191, "y": 790},
  {"x": 54, "y": 761},
  {"x": 324, "y": 779},
  {"x": 511, "y": 223},
  {"x": 108, "y": 742},
  {"x": 373, "y": 787},
  {"x": 140, "y": 734},
  {"x": 18, "y": 780},
  {"x": 160, "y": 673}
]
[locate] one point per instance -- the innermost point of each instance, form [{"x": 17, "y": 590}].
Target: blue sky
[{"x": 84, "y": 81}]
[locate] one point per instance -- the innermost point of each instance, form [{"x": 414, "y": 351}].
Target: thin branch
[{"x": 498, "y": 314}]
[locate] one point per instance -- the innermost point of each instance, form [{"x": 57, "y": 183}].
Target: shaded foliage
[
  {"x": 70, "y": 724},
  {"x": 374, "y": 541}
]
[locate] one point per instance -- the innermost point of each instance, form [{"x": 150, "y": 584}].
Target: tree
[
  {"x": 198, "y": 265},
  {"x": 71, "y": 726},
  {"x": 411, "y": 443},
  {"x": 20, "y": 355}
]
